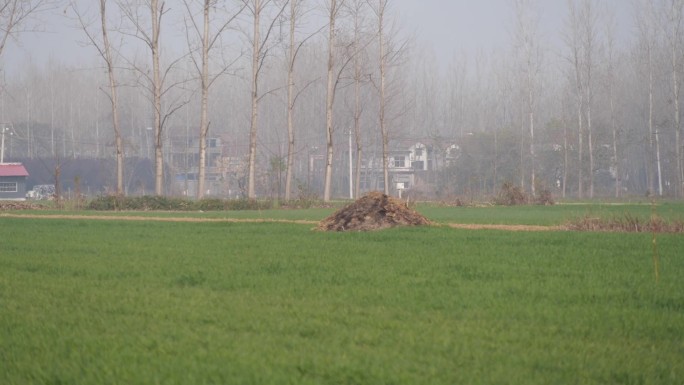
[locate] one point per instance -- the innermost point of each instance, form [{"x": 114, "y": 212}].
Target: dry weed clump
[
  {"x": 626, "y": 224},
  {"x": 14, "y": 206},
  {"x": 512, "y": 195}
]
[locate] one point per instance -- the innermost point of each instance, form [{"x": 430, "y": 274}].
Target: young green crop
[
  {"x": 511, "y": 215},
  {"x": 98, "y": 302}
]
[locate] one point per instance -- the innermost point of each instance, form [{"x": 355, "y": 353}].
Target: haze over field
[
  {"x": 579, "y": 97},
  {"x": 446, "y": 27}
]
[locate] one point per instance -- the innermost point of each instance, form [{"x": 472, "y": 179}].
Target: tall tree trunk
[
  {"x": 495, "y": 177},
  {"x": 29, "y": 138},
  {"x": 383, "y": 100},
  {"x": 204, "y": 105},
  {"x": 531, "y": 122},
  {"x": 675, "y": 21},
  {"x": 566, "y": 162},
  {"x": 613, "y": 124},
  {"x": 330, "y": 98},
  {"x": 590, "y": 141},
  {"x": 357, "y": 99},
  {"x": 156, "y": 14},
  {"x": 658, "y": 163},
  {"x": 256, "y": 52},
  {"x": 575, "y": 44},
  {"x": 522, "y": 145},
  {"x": 590, "y": 37},
  {"x": 580, "y": 149},
  {"x": 654, "y": 145},
  {"x": 679, "y": 191},
  {"x": 610, "y": 26},
  {"x": 526, "y": 37},
  {"x": 290, "y": 102},
  {"x": 115, "y": 102},
  {"x": 357, "y": 122}
]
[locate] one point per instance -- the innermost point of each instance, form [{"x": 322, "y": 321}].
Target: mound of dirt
[{"x": 373, "y": 211}]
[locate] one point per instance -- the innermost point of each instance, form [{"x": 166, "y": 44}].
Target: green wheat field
[{"x": 87, "y": 301}]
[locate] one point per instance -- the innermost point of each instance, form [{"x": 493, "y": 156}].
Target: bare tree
[
  {"x": 357, "y": 11},
  {"x": 610, "y": 48},
  {"x": 334, "y": 7},
  {"x": 293, "y": 92},
  {"x": 380, "y": 12},
  {"x": 256, "y": 7},
  {"x": 105, "y": 51},
  {"x": 158, "y": 83},
  {"x": 156, "y": 14},
  {"x": 673, "y": 23},
  {"x": 390, "y": 53},
  {"x": 526, "y": 35},
  {"x": 260, "y": 51},
  {"x": 207, "y": 40},
  {"x": 581, "y": 38},
  {"x": 292, "y": 54},
  {"x": 379, "y": 8},
  {"x": 572, "y": 39},
  {"x": 15, "y": 16},
  {"x": 589, "y": 21},
  {"x": 647, "y": 36}
]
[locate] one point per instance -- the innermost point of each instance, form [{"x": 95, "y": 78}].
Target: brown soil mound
[{"x": 373, "y": 211}]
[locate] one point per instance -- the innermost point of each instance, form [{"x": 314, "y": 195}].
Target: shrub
[
  {"x": 306, "y": 197},
  {"x": 510, "y": 195},
  {"x": 248, "y": 204},
  {"x": 544, "y": 197},
  {"x": 107, "y": 203},
  {"x": 211, "y": 204},
  {"x": 627, "y": 223},
  {"x": 160, "y": 203}
]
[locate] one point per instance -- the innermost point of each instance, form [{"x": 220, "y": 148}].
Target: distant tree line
[{"x": 292, "y": 85}]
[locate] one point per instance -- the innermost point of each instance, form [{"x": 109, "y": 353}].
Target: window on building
[
  {"x": 8, "y": 186},
  {"x": 399, "y": 161},
  {"x": 419, "y": 152}
]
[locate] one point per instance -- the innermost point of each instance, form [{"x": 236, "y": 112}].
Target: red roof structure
[{"x": 13, "y": 169}]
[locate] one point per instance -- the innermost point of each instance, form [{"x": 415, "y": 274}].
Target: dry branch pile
[
  {"x": 18, "y": 205},
  {"x": 373, "y": 211}
]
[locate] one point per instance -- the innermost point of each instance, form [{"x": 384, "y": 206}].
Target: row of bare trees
[
  {"x": 622, "y": 88},
  {"x": 205, "y": 33},
  {"x": 596, "y": 112}
]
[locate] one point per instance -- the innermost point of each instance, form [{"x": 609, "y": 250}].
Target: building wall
[{"x": 19, "y": 194}]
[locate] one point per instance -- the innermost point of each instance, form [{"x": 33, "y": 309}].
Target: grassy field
[
  {"x": 120, "y": 302},
  {"x": 549, "y": 215},
  {"x": 509, "y": 215}
]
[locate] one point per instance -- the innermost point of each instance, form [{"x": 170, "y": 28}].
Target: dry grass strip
[{"x": 263, "y": 220}]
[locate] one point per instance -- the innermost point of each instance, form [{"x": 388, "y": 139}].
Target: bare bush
[
  {"x": 510, "y": 195},
  {"x": 627, "y": 223}
]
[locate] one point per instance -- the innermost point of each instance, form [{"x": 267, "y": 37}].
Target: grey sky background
[
  {"x": 467, "y": 26},
  {"x": 448, "y": 27}
]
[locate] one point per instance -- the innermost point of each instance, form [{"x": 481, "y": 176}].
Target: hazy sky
[
  {"x": 469, "y": 26},
  {"x": 448, "y": 26},
  {"x": 457, "y": 25}
]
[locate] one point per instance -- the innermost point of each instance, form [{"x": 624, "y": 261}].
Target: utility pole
[{"x": 2, "y": 143}]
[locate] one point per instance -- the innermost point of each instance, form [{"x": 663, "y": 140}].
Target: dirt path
[
  {"x": 504, "y": 227},
  {"x": 265, "y": 220}
]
